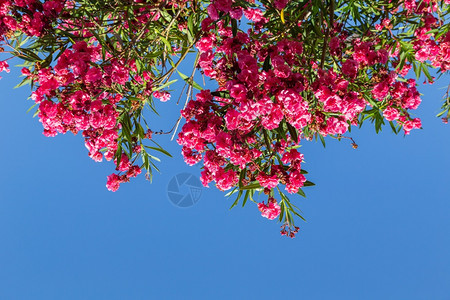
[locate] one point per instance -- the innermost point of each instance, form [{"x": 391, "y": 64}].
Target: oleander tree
[{"x": 280, "y": 73}]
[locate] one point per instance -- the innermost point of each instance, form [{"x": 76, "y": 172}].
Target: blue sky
[{"x": 377, "y": 221}]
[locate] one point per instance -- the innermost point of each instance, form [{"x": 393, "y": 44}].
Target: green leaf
[
  {"x": 417, "y": 69},
  {"x": 308, "y": 183},
  {"x": 322, "y": 140},
  {"x": 189, "y": 81},
  {"x": 154, "y": 158},
  {"x": 164, "y": 85},
  {"x": 166, "y": 42},
  {"x": 30, "y": 54},
  {"x": 23, "y": 82},
  {"x": 266, "y": 65},
  {"x": 292, "y": 132},
  {"x": 266, "y": 140},
  {"x": 378, "y": 122},
  {"x": 34, "y": 105},
  {"x": 301, "y": 193},
  {"x": 237, "y": 200},
  {"x": 242, "y": 176},
  {"x": 222, "y": 94},
  {"x": 393, "y": 127},
  {"x": 298, "y": 215},
  {"x": 160, "y": 150},
  {"x": 245, "y": 198},
  {"x": 426, "y": 72},
  {"x": 190, "y": 24},
  {"x": 283, "y": 208},
  {"x": 252, "y": 186},
  {"x": 233, "y": 191},
  {"x": 234, "y": 27}
]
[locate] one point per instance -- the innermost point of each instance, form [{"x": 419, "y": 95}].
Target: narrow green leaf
[
  {"x": 23, "y": 82},
  {"x": 252, "y": 186},
  {"x": 160, "y": 150},
  {"x": 164, "y": 85},
  {"x": 322, "y": 140},
  {"x": 245, "y": 197}
]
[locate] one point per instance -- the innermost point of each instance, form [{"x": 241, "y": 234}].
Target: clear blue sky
[{"x": 378, "y": 221}]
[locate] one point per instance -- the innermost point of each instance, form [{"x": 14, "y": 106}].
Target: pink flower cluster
[
  {"x": 91, "y": 110},
  {"x": 427, "y": 47},
  {"x": 35, "y": 16},
  {"x": 86, "y": 89},
  {"x": 274, "y": 87},
  {"x": 246, "y": 130},
  {"x": 233, "y": 125}
]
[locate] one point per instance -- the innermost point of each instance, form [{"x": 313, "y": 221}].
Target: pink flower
[
  {"x": 97, "y": 156},
  {"x": 206, "y": 177},
  {"x": 203, "y": 96},
  {"x": 10, "y": 22},
  {"x": 421, "y": 55},
  {"x": 412, "y": 124},
  {"x": 336, "y": 126},
  {"x": 271, "y": 210},
  {"x": 236, "y": 13},
  {"x": 223, "y": 143},
  {"x": 350, "y": 68},
  {"x": 4, "y": 66},
  {"x": 296, "y": 181},
  {"x": 238, "y": 91},
  {"x": 232, "y": 119},
  {"x": 124, "y": 164},
  {"x": 335, "y": 45},
  {"x": 226, "y": 180},
  {"x": 190, "y": 157},
  {"x": 163, "y": 96},
  {"x": 253, "y": 14},
  {"x": 280, "y": 4},
  {"x": 134, "y": 171},
  {"x": 26, "y": 72},
  {"x": 206, "y": 43},
  {"x": 223, "y": 5},
  {"x": 280, "y": 68},
  {"x": 93, "y": 75},
  {"x": 381, "y": 90},
  {"x": 120, "y": 73},
  {"x": 391, "y": 114},
  {"x": 212, "y": 12},
  {"x": 292, "y": 156},
  {"x": 272, "y": 120},
  {"x": 267, "y": 181},
  {"x": 113, "y": 182}
]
